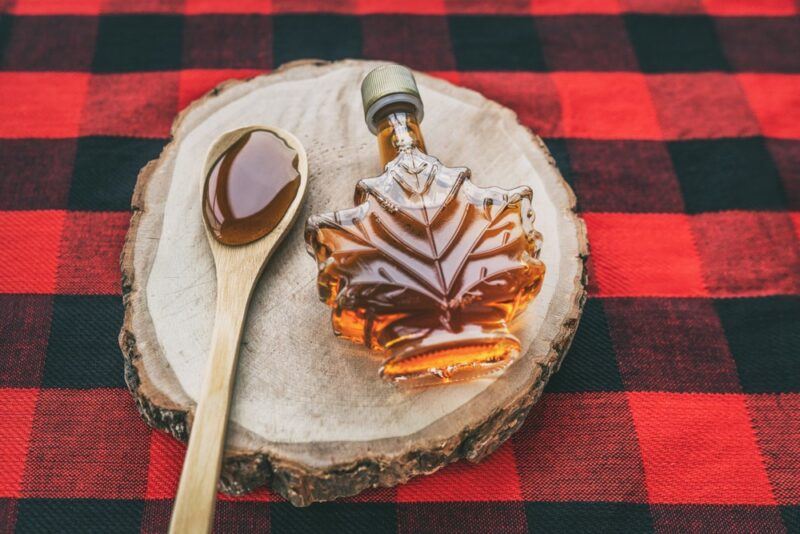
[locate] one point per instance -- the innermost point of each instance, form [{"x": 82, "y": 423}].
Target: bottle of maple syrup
[{"x": 427, "y": 268}]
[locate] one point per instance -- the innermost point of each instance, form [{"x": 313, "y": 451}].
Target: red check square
[
  {"x": 580, "y": 447},
  {"x": 732, "y": 245},
  {"x": 86, "y": 444},
  {"x": 748, "y": 7},
  {"x": 226, "y": 7},
  {"x": 164, "y": 467},
  {"x": 29, "y": 254},
  {"x": 699, "y": 448},
  {"x": 605, "y": 105},
  {"x": 90, "y": 249},
  {"x": 644, "y": 255},
  {"x": 56, "y": 7},
  {"x": 131, "y": 105},
  {"x": 575, "y": 7},
  {"x": 412, "y": 7},
  {"x": 41, "y": 104},
  {"x": 494, "y": 479},
  {"x": 16, "y": 413},
  {"x": 775, "y": 100}
]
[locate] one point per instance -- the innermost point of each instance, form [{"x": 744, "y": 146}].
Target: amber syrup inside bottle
[{"x": 427, "y": 268}]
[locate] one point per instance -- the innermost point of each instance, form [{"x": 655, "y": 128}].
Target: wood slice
[{"x": 310, "y": 417}]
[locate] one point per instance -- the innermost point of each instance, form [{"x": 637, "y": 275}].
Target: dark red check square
[
  {"x": 17, "y": 408},
  {"x": 777, "y": 429},
  {"x": 732, "y": 246},
  {"x": 86, "y": 444},
  {"x": 112, "y": 109},
  {"x": 91, "y": 270},
  {"x": 580, "y": 447}
]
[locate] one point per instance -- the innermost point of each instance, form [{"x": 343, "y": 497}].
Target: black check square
[
  {"x": 558, "y": 149},
  {"x": 316, "y": 36},
  {"x": 106, "y": 169},
  {"x": 791, "y": 518},
  {"x": 591, "y": 364},
  {"x": 78, "y": 516},
  {"x": 588, "y": 517},
  {"x": 764, "y": 338},
  {"x": 83, "y": 350},
  {"x": 322, "y": 518},
  {"x": 675, "y": 43},
  {"x": 5, "y": 33},
  {"x": 727, "y": 174},
  {"x": 786, "y": 155},
  {"x": 69, "y": 45},
  {"x": 495, "y": 43},
  {"x": 127, "y": 43}
]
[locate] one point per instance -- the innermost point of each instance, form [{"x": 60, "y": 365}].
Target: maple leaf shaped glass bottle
[{"x": 427, "y": 267}]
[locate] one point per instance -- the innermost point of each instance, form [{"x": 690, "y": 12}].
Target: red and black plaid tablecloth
[{"x": 676, "y": 122}]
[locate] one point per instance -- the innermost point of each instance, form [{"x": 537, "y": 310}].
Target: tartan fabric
[{"x": 677, "y": 122}]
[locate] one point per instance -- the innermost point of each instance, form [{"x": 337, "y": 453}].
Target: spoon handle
[{"x": 194, "y": 503}]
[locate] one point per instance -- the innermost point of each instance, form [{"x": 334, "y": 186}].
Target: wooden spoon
[{"x": 238, "y": 269}]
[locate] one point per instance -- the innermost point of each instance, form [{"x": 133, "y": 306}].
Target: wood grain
[{"x": 310, "y": 417}]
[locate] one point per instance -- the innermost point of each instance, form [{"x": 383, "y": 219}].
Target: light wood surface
[
  {"x": 237, "y": 271},
  {"x": 310, "y": 417}
]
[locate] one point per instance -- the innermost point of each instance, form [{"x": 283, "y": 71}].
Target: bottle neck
[{"x": 398, "y": 131}]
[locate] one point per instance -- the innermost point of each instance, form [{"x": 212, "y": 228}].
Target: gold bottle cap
[{"x": 389, "y": 84}]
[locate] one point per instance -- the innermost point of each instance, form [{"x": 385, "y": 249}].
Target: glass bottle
[{"x": 427, "y": 268}]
